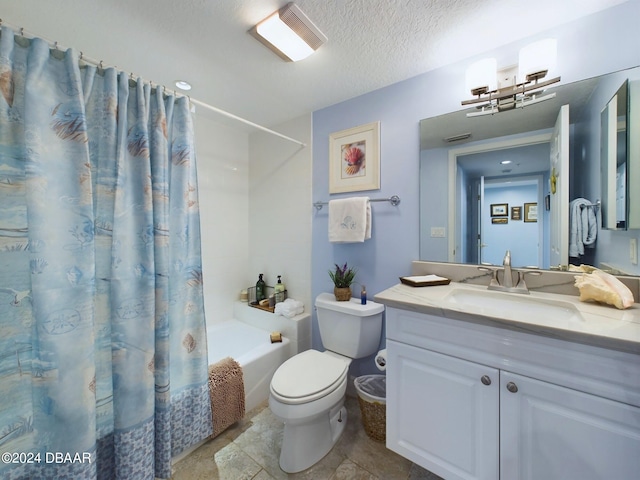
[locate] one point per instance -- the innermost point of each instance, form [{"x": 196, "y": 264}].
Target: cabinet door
[
  {"x": 552, "y": 432},
  {"x": 440, "y": 414}
]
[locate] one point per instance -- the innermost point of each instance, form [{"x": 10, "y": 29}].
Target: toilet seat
[{"x": 308, "y": 376}]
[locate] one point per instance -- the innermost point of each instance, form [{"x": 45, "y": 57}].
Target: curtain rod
[{"x": 99, "y": 63}]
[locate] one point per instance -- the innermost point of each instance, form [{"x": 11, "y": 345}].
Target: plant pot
[{"x": 342, "y": 294}]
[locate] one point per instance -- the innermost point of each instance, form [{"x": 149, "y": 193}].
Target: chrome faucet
[{"x": 507, "y": 277}]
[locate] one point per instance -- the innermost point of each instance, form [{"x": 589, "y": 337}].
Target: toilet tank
[{"x": 349, "y": 328}]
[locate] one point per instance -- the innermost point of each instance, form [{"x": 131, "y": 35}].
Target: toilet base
[{"x": 305, "y": 444}]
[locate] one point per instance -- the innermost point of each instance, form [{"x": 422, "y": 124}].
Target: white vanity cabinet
[
  {"x": 467, "y": 400},
  {"x": 549, "y": 431},
  {"x": 439, "y": 413}
]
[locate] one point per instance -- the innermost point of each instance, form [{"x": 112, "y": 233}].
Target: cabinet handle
[
  {"x": 486, "y": 380},
  {"x": 512, "y": 387}
]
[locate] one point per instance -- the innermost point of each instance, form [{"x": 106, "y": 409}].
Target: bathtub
[{"x": 251, "y": 347}]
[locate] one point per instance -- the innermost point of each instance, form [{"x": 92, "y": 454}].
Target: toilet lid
[{"x": 308, "y": 373}]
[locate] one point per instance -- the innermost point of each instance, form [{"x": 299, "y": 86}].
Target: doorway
[{"x": 483, "y": 179}]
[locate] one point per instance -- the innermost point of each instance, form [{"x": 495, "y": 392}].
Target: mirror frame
[{"x": 614, "y": 154}]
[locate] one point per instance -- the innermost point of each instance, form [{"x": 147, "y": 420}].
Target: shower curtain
[{"x": 103, "y": 361}]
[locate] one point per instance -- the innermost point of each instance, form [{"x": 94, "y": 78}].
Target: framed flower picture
[{"x": 354, "y": 159}]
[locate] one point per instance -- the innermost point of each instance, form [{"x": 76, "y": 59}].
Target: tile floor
[{"x": 250, "y": 449}]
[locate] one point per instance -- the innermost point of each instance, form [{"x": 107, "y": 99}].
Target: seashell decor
[{"x": 603, "y": 287}]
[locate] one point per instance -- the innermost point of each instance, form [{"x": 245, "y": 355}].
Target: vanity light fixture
[
  {"x": 526, "y": 88},
  {"x": 289, "y": 33}
]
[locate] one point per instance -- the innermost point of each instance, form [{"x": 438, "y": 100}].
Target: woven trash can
[{"x": 372, "y": 392}]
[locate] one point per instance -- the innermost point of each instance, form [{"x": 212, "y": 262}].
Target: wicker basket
[
  {"x": 342, "y": 294},
  {"x": 373, "y": 408},
  {"x": 374, "y": 419}
]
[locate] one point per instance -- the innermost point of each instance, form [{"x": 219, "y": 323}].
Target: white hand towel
[{"x": 349, "y": 220}]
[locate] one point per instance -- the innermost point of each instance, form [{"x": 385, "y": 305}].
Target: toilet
[{"x": 307, "y": 391}]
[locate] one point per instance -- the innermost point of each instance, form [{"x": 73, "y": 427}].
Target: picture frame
[
  {"x": 499, "y": 209},
  {"x": 531, "y": 212},
  {"x": 500, "y": 220},
  {"x": 516, "y": 213},
  {"x": 354, "y": 159}
]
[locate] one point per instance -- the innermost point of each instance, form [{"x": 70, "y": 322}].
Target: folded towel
[
  {"x": 289, "y": 308},
  {"x": 349, "y": 220},
  {"x": 226, "y": 389},
  {"x": 583, "y": 227}
]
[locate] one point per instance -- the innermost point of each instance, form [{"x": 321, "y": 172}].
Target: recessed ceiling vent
[
  {"x": 457, "y": 138},
  {"x": 297, "y": 21},
  {"x": 289, "y": 33}
]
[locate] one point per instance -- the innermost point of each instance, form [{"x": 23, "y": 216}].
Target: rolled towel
[{"x": 289, "y": 308}]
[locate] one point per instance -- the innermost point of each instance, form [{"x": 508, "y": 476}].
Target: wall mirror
[
  {"x": 618, "y": 148},
  {"x": 469, "y": 164}
]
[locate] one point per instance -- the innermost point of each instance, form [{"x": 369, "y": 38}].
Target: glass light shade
[
  {"x": 482, "y": 74},
  {"x": 283, "y": 38},
  {"x": 537, "y": 56}
]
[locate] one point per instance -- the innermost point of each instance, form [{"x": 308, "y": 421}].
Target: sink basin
[{"x": 515, "y": 306}]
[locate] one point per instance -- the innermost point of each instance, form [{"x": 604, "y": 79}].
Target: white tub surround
[
  {"x": 481, "y": 385},
  {"x": 297, "y": 329}
]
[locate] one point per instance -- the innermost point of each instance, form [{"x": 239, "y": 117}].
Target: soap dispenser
[
  {"x": 261, "y": 289},
  {"x": 279, "y": 290},
  {"x": 363, "y": 295}
]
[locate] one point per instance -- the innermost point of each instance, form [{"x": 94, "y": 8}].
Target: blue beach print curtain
[{"x": 103, "y": 368}]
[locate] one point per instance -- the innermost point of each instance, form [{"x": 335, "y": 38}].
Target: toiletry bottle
[
  {"x": 279, "y": 290},
  {"x": 363, "y": 295},
  {"x": 261, "y": 289}
]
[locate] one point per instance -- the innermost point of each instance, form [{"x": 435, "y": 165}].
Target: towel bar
[
  {"x": 596, "y": 205},
  {"x": 393, "y": 200}
]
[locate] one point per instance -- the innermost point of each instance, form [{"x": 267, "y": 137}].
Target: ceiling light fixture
[
  {"x": 183, "y": 85},
  {"x": 505, "y": 162},
  {"x": 289, "y": 33},
  {"x": 535, "y": 62}
]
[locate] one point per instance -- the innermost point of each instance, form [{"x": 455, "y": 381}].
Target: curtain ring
[
  {"x": 55, "y": 45},
  {"x": 100, "y": 65},
  {"x": 22, "y": 31},
  {"x": 81, "y": 55}
]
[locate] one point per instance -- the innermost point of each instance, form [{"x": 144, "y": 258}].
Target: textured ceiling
[{"x": 372, "y": 43}]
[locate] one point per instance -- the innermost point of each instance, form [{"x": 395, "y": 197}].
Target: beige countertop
[{"x": 563, "y": 317}]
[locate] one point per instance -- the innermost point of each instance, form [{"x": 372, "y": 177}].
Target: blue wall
[
  {"x": 586, "y": 48},
  {"x": 517, "y": 235}
]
